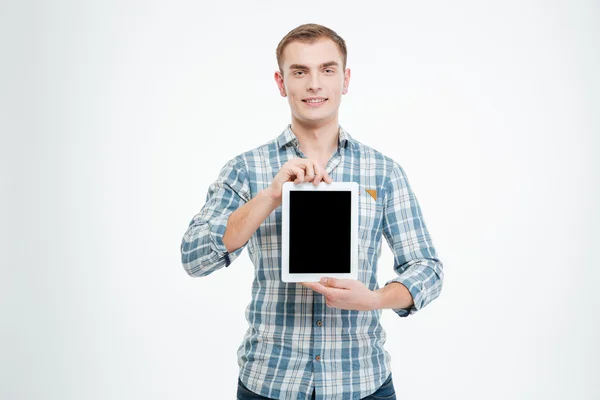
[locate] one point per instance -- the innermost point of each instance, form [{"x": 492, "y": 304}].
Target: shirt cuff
[
  {"x": 413, "y": 283},
  {"x": 217, "y": 227}
]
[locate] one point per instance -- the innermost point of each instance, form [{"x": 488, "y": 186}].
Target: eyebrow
[{"x": 325, "y": 64}]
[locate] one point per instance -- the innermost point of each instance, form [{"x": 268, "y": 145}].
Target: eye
[
  {"x": 330, "y": 70},
  {"x": 298, "y": 72}
]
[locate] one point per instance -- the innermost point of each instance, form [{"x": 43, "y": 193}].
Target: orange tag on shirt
[{"x": 373, "y": 193}]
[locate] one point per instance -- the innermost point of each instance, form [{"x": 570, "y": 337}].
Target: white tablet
[{"x": 319, "y": 231}]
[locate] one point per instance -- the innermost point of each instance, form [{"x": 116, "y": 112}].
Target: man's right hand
[{"x": 298, "y": 170}]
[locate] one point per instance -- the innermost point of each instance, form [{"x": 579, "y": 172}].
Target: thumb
[{"x": 335, "y": 282}]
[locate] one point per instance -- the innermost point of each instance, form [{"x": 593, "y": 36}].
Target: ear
[
  {"x": 346, "y": 80},
  {"x": 280, "y": 84}
]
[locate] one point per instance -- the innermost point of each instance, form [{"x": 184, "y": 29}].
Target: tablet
[{"x": 319, "y": 231}]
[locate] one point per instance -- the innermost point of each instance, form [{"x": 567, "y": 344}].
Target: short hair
[{"x": 309, "y": 33}]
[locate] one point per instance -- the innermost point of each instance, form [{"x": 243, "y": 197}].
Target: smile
[{"x": 315, "y": 102}]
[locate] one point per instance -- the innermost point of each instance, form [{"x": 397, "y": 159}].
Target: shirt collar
[{"x": 288, "y": 136}]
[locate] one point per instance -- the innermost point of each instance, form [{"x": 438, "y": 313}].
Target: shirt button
[
  {"x": 318, "y": 358},
  {"x": 319, "y": 323}
]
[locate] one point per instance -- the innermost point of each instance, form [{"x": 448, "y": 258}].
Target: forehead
[{"x": 311, "y": 54}]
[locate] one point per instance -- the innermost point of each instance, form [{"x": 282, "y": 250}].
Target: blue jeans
[{"x": 385, "y": 392}]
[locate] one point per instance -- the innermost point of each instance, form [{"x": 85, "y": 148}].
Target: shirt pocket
[{"x": 369, "y": 211}]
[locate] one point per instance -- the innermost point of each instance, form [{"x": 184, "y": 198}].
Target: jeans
[{"x": 385, "y": 392}]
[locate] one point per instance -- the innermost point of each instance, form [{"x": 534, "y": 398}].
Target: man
[{"x": 319, "y": 340}]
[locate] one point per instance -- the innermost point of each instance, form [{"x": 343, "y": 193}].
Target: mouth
[{"x": 315, "y": 101}]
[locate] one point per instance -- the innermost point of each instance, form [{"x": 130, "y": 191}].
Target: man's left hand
[{"x": 348, "y": 294}]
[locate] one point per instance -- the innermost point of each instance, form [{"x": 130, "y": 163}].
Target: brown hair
[{"x": 309, "y": 33}]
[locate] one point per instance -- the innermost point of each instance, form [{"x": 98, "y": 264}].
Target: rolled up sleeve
[
  {"x": 202, "y": 247},
  {"x": 416, "y": 261}
]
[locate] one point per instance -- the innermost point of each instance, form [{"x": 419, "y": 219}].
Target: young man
[{"x": 319, "y": 340}]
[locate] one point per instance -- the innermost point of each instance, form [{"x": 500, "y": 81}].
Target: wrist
[{"x": 272, "y": 196}]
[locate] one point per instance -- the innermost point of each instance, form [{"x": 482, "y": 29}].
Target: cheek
[
  {"x": 294, "y": 100},
  {"x": 292, "y": 94}
]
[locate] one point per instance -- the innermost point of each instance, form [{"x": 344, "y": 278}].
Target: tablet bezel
[{"x": 351, "y": 187}]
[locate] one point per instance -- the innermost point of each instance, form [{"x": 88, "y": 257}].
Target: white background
[{"x": 117, "y": 115}]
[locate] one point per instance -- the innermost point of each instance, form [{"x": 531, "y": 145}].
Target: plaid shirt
[{"x": 294, "y": 341}]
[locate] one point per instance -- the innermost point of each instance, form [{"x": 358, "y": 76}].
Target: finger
[
  {"x": 311, "y": 285},
  {"x": 299, "y": 174},
  {"x": 317, "y": 287},
  {"x": 292, "y": 172},
  {"x": 338, "y": 283},
  {"x": 318, "y": 174},
  {"x": 327, "y": 178},
  {"x": 310, "y": 172}
]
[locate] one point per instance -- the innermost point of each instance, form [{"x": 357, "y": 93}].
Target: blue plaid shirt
[{"x": 296, "y": 343}]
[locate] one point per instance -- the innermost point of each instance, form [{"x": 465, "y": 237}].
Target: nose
[{"x": 314, "y": 84}]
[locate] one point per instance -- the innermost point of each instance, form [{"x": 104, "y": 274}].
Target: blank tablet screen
[{"x": 319, "y": 228}]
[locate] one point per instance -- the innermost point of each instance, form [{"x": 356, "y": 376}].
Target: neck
[{"x": 317, "y": 139}]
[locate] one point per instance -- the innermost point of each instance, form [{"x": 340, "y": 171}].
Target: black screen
[{"x": 320, "y": 234}]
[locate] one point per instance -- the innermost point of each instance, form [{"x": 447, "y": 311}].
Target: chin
[
  {"x": 313, "y": 117},
  {"x": 316, "y": 115}
]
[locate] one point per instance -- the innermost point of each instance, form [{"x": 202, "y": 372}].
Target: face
[{"x": 313, "y": 80}]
